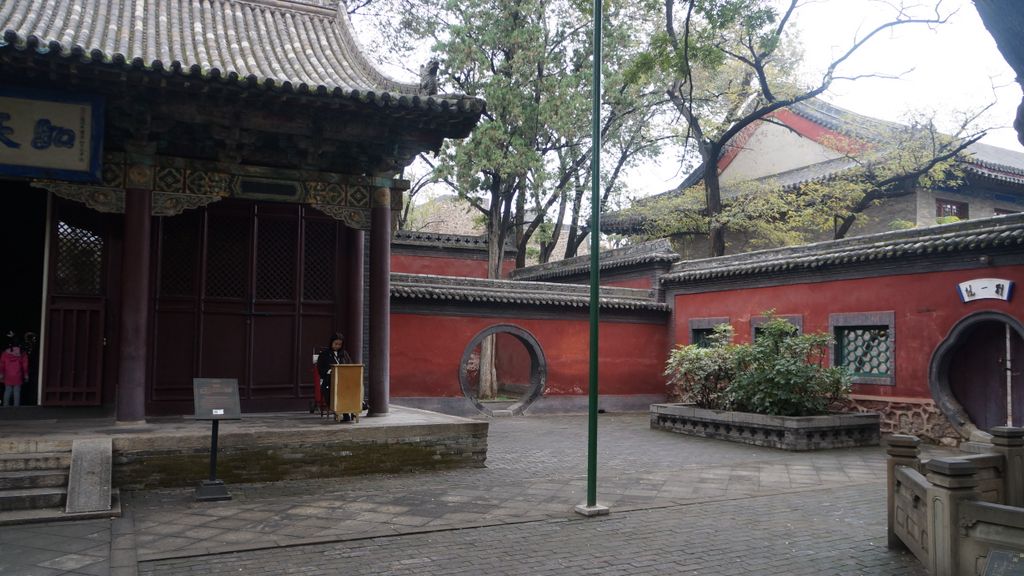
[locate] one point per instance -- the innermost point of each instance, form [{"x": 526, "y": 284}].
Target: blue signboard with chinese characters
[{"x": 52, "y": 135}]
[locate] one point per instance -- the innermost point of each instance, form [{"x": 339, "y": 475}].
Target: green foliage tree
[
  {"x": 733, "y": 63},
  {"x": 527, "y": 162}
]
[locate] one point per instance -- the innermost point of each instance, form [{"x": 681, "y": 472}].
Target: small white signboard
[
  {"x": 47, "y": 134},
  {"x": 985, "y": 288}
]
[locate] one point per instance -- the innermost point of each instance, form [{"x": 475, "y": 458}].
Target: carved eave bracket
[{"x": 180, "y": 185}]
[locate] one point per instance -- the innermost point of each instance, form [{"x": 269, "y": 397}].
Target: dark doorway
[
  {"x": 23, "y": 235},
  {"x": 245, "y": 290},
  {"x": 990, "y": 355}
]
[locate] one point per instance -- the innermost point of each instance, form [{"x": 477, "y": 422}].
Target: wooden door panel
[
  {"x": 273, "y": 356},
  {"x": 76, "y": 306},
  {"x": 174, "y": 360},
  {"x": 224, "y": 348}
]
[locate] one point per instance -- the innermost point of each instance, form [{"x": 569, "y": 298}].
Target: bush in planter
[
  {"x": 701, "y": 373},
  {"x": 785, "y": 374}
]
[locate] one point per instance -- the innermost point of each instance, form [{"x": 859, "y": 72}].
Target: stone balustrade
[{"x": 952, "y": 513}]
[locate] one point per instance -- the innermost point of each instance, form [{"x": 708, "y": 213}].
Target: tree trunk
[
  {"x": 488, "y": 371},
  {"x": 713, "y": 194}
]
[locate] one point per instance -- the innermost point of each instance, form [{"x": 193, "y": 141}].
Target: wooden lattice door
[
  {"x": 76, "y": 307},
  {"x": 246, "y": 291}
]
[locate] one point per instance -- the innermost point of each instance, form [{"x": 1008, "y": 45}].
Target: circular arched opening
[
  {"x": 976, "y": 374},
  {"x": 517, "y": 364}
]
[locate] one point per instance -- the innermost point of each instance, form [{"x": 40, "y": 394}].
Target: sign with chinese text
[
  {"x": 51, "y": 135},
  {"x": 985, "y": 288},
  {"x": 216, "y": 399}
]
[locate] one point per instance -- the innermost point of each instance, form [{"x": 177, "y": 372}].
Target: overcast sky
[
  {"x": 953, "y": 66},
  {"x": 946, "y": 68}
]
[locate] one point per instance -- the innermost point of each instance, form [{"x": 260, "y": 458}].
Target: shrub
[
  {"x": 782, "y": 373},
  {"x": 785, "y": 374},
  {"x": 701, "y": 373}
]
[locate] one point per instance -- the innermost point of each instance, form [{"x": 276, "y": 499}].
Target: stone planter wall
[{"x": 784, "y": 432}]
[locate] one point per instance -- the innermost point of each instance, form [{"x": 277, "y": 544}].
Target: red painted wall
[
  {"x": 512, "y": 365},
  {"x": 925, "y": 307},
  {"x": 426, "y": 351},
  {"x": 440, "y": 266}
]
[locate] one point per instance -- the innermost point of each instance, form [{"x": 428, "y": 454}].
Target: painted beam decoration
[
  {"x": 985, "y": 289},
  {"x": 50, "y": 135}
]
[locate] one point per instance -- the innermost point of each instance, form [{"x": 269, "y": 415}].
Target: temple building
[{"x": 200, "y": 189}]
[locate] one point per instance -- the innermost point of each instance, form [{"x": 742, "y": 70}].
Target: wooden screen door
[
  {"x": 76, "y": 306},
  {"x": 268, "y": 292}
]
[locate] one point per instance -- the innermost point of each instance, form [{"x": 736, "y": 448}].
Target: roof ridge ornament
[{"x": 428, "y": 77}]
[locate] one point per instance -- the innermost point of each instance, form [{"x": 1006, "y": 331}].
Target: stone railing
[{"x": 958, "y": 514}]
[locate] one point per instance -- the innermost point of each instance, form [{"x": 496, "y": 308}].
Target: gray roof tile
[
  {"x": 983, "y": 234},
  {"x": 643, "y": 253},
  {"x": 291, "y": 45},
  {"x": 450, "y": 288}
]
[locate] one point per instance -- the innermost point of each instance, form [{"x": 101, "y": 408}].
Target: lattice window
[
  {"x": 948, "y": 208},
  {"x": 865, "y": 350},
  {"x": 318, "y": 261},
  {"x": 227, "y": 256},
  {"x": 275, "y": 260},
  {"x": 699, "y": 336},
  {"x": 79, "y": 265},
  {"x": 179, "y": 243}
]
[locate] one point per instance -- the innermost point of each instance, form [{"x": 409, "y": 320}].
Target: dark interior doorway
[
  {"x": 990, "y": 356},
  {"x": 22, "y": 241}
]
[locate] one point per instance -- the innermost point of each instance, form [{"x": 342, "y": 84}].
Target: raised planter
[{"x": 785, "y": 432}]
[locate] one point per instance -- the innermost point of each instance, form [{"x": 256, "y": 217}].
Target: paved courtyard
[{"x": 679, "y": 505}]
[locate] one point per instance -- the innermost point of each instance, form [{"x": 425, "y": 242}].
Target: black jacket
[{"x": 327, "y": 358}]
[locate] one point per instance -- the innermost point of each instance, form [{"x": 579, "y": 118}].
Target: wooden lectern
[{"x": 347, "y": 389}]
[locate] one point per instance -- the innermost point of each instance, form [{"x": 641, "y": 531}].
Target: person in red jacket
[{"x": 14, "y": 368}]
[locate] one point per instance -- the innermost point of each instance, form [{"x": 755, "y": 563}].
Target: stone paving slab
[
  {"x": 823, "y": 532},
  {"x": 535, "y": 475}
]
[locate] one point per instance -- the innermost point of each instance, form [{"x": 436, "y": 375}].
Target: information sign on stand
[{"x": 215, "y": 399}]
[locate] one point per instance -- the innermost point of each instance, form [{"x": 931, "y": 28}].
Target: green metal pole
[{"x": 595, "y": 248}]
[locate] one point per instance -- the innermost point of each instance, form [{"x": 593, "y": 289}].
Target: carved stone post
[
  {"x": 903, "y": 451},
  {"x": 952, "y": 481},
  {"x": 1010, "y": 443},
  {"x": 380, "y": 301},
  {"x": 135, "y": 265}
]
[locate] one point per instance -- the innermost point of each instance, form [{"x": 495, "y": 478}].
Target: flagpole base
[{"x": 595, "y": 510}]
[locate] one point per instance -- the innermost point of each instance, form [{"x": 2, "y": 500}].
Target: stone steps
[
  {"x": 33, "y": 515},
  {"x": 35, "y": 461},
  {"x": 17, "y": 479},
  {"x": 30, "y": 498}
]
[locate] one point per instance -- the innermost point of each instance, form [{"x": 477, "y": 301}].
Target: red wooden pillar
[
  {"x": 380, "y": 301},
  {"x": 354, "y": 308},
  {"x": 131, "y": 385}
]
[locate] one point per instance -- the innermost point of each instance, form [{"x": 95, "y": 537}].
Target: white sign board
[
  {"x": 985, "y": 288},
  {"x": 50, "y": 134}
]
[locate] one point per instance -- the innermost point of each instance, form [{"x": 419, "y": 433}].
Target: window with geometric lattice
[
  {"x": 865, "y": 344},
  {"x": 864, "y": 350}
]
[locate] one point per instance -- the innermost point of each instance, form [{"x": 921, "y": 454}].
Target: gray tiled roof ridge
[
  {"x": 968, "y": 235},
  {"x": 659, "y": 250},
  {"x": 433, "y": 287},
  {"x": 471, "y": 241},
  {"x": 284, "y": 44}
]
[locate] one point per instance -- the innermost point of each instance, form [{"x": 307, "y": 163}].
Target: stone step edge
[
  {"x": 33, "y": 472},
  {"x": 34, "y": 455},
  {"x": 38, "y": 515}
]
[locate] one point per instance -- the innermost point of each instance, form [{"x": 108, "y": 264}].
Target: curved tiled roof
[
  {"x": 982, "y": 234},
  {"x": 304, "y": 46},
  {"x": 434, "y": 239},
  {"x": 646, "y": 252},
  {"x": 451, "y": 288}
]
